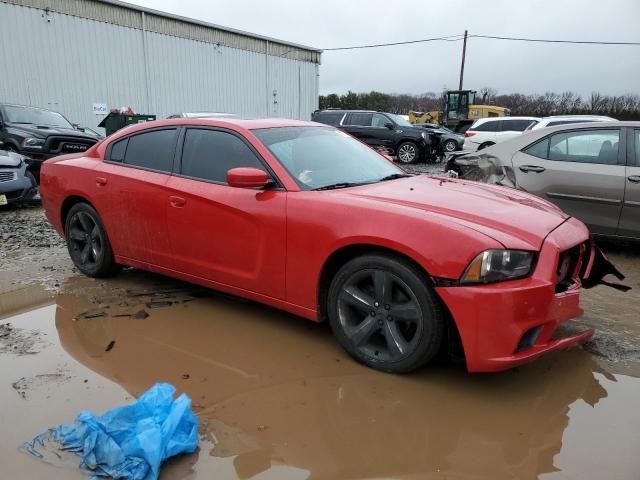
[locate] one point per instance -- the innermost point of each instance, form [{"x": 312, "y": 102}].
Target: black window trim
[
  {"x": 277, "y": 185},
  {"x": 107, "y": 156},
  {"x": 633, "y": 156},
  {"x": 622, "y": 143}
]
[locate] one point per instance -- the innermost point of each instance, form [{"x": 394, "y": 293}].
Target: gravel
[{"x": 26, "y": 228}]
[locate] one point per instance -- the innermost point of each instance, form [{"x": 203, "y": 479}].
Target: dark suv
[
  {"x": 386, "y": 132},
  {"x": 39, "y": 134}
]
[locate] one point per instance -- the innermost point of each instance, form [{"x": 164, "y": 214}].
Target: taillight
[{"x": 469, "y": 134}]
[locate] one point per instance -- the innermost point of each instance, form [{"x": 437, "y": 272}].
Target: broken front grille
[{"x": 571, "y": 263}]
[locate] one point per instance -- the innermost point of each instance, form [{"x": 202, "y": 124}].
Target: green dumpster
[{"x": 115, "y": 121}]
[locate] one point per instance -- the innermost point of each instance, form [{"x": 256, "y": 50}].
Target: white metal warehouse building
[{"x": 75, "y": 56}]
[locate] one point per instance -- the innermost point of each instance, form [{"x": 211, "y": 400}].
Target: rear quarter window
[{"x": 117, "y": 150}]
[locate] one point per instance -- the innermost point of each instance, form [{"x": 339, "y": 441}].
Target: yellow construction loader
[{"x": 459, "y": 112}]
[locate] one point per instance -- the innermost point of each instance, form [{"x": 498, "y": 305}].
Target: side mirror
[
  {"x": 390, "y": 125},
  {"x": 248, "y": 177}
]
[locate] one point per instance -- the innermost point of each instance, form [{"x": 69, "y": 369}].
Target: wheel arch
[
  {"x": 333, "y": 263},
  {"x": 68, "y": 203}
]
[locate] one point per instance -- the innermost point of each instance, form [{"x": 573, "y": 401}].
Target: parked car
[
  {"x": 448, "y": 140},
  {"x": 556, "y": 120},
  {"x": 386, "y": 132},
  {"x": 39, "y": 134},
  {"x": 590, "y": 170},
  {"x": 489, "y": 131},
  {"x": 303, "y": 217},
  {"x": 17, "y": 184}
]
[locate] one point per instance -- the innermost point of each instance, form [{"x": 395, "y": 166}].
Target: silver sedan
[{"x": 590, "y": 170}]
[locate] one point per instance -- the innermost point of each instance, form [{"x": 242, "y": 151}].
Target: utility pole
[{"x": 464, "y": 51}]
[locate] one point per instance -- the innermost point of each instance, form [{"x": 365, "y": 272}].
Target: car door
[
  {"x": 582, "y": 171},
  {"x": 233, "y": 236},
  {"x": 630, "y": 217},
  {"x": 130, "y": 193}
]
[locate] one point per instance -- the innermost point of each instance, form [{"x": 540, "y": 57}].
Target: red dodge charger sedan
[{"x": 305, "y": 218}]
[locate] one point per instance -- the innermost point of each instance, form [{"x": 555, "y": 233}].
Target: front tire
[
  {"x": 88, "y": 243},
  {"x": 407, "y": 152},
  {"x": 384, "y": 314}
]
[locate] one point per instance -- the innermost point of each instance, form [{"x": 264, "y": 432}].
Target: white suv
[
  {"x": 489, "y": 131},
  {"x": 556, "y": 120}
]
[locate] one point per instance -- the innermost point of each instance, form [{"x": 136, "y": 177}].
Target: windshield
[
  {"x": 318, "y": 157},
  {"x": 401, "y": 121},
  {"x": 35, "y": 116}
]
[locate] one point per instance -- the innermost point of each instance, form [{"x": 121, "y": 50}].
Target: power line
[
  {"x": 541, "y": 40},
  {"x": 457, "y": 38},
  {"x": 448, "y": 38}
]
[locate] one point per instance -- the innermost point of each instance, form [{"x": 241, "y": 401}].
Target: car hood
[
  {"x": 9, "y": 159},
  {"x": 42, "y": 131},
  {"x": 515, "y": 219}
]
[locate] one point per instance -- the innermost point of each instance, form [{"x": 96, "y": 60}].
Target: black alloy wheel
[
  {"x": 88, "y": 243},
  {"x": 384, "y": 314}
]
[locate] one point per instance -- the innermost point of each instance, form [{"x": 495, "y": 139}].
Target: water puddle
[{"x": 277, "y": 398}]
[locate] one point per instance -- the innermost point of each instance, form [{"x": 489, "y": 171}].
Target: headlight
[
  {"x": 34, "y": 143},
  {"x": 499, "y": 265}
]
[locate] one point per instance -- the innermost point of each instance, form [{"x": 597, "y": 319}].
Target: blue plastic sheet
[{"x": 130, "y": 442}]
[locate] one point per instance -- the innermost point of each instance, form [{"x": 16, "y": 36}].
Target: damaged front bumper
[{"x": 506, "y": 324}]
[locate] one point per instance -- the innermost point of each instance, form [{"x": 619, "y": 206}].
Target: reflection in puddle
[{"x": 279, "y": 399}]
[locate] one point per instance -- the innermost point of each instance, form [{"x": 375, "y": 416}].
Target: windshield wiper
[
  {"x": 340, "y": 185},
  {"x": 393, "y": 176}
]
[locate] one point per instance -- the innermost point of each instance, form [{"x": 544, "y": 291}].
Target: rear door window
[
  {"x": 153, "y": 150},
  {"x": 329, "y": 118},
  {"x": 209, "y": 154},
  {"x": 487, "y": 127},
  {"x": 360, "y": 119},
  {"x": 515, "y": 125},
  {"x": 585, "y": 146}
]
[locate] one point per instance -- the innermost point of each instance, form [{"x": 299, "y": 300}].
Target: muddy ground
[{"x": 276, "y": 396}]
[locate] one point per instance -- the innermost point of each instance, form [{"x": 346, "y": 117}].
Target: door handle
[
  {"x": 634, "y": 178},
  {"x": 101, "y": 181},
  {"x": 532, "y": 168},
  {"x": 177, "y": 202}
]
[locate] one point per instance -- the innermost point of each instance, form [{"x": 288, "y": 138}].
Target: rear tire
[
  {"x": 88, "y": 243},
  {"x": 449, "y": 146},
  {"x": 384, "y": 314},
  {"x": 407, "y": 152}
]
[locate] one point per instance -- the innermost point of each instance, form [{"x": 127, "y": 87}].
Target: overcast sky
[{"x": 506, "y": 66}]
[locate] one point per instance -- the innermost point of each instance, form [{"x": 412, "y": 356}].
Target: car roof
[
  {"x": 562, "y": 117},
  {"x": 338, "y": 110},
  {"x": 499, "y": 119},
  {"x": 228, "y": 122}
]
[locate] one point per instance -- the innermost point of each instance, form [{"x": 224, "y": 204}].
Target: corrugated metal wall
[{"x": 68, "y": 63}]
